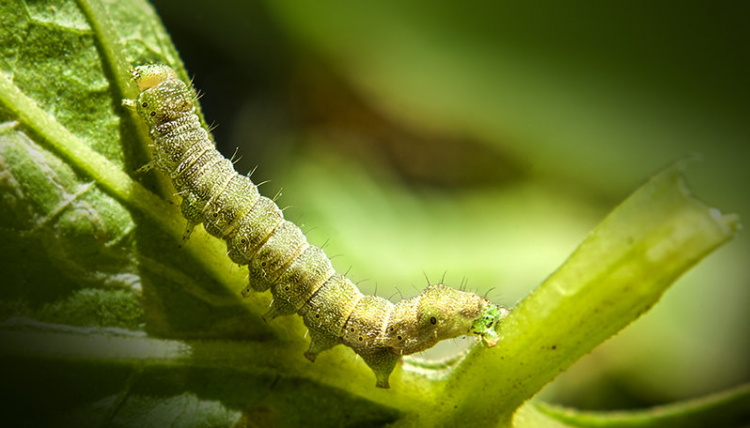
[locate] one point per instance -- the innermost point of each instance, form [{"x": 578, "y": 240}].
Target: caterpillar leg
[
  {"x": 188, "y": 230},
  {"x": 145, "y": 168},
  {"x": 246, "y": 291},
  {"x": 382, "y": 362},
  {"x": 278, "y": 308},
  {"x": 319, "y": 342},
  {"x": 133, "y": 105}
]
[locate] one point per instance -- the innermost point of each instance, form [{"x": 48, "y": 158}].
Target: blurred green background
[{"x": 480, "y": 142}]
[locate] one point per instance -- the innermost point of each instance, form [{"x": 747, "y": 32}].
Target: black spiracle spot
[
  {"x": 152, "y": 114},
  {"x": 144, "y": 105},
  {"x": 433, "y": 320}
]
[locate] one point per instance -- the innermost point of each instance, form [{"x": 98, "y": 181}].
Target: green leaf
[
  {"x": 728, "y": 408},
  {"x": 106, "y": 321}
]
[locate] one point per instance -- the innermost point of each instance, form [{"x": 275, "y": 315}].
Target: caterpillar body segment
[{"x": 278, "y": 256}]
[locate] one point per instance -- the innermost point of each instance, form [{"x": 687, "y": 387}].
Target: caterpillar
[{"x": 278, "y": 256}]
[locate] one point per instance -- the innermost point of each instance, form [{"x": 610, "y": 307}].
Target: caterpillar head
[
  {"x": 440, "y": 313},
  {"x": 164, "y": 97}
]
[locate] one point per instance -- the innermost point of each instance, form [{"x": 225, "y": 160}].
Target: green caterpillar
[{"x": 278, "y": 256}]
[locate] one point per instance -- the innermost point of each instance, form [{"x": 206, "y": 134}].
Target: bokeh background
[{"x": 479, "y": 142}]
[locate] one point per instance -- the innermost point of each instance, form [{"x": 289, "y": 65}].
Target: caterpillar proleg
[{"x": 299, "y": 275}]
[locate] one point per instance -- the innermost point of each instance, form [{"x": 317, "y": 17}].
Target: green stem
[{"x": 618, "y": 273}]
